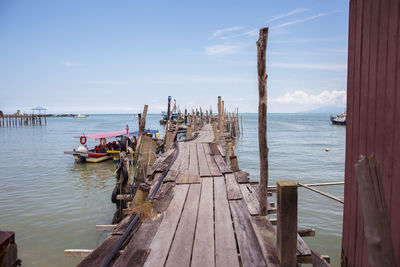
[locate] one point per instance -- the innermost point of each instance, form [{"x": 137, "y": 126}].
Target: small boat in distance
[
  {"x": 339, "y": 119},
  {"x": 106, "y": 150},
  {"x": 80, "y": 116}
]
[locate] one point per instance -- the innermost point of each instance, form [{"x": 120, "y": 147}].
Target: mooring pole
[
  {"x": 169, "y": 107},
  {"x": 262, "y": 118}
]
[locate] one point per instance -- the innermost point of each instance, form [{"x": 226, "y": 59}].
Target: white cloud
[
  {"x": 225, "y": 30},
  {"x": 324, "y": 98},
  {"x": 284, "y": 15},
  {"x": 70, "y": 64},
  {"x": 298, "y": 21},
  {"x": 313, "y": 66},
  {"x": 222, "y": 49}
]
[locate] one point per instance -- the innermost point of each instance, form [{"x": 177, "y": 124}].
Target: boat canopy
[{"x": 118, "y": 133}]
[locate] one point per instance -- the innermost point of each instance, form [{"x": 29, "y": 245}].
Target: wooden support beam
[
  {"x": 287, "y": 222},
  {"x": 77, "y": 253},
  {"x": 125, "y": 197},
  {"x": 81, "y": 253},
  {"x": 319, "y": 260},
  {"x": 306, "y": 232},
  {"x": 262, "y": 118},
  {"x": 307, "y": 259},
  {"x": 105, "y": 227}
]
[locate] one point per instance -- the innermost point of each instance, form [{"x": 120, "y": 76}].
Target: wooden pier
[
  {"x": 22, "y": 120},
  {"x": 204, "y": 209}
]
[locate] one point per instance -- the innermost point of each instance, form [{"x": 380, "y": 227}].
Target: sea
[{"x": 52, "y": 203}]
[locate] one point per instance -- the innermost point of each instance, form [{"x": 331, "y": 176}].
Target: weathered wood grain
[
  {"x": 242, "y": 177},
  {"x": 162, "y": 204},
  {"x": 183, "y": 170},
  {"x": 225, "y": 244},
  {"x": 223, "y": 167},
  {"x": 214, "y": 170},
  {"x": 266, "y": 237},
  {"x": 141, "y": 240},
  {"x": 287, "y": 222},
  {"x": 203, "y": 165},
  {"x": 203, "y": 247},
  {"x": 181, "y": 249},
  {"x": 163, "y": 238},
  {"x": 249, "y": 249},
  {"x": 251, "y": 198},
  {"x": 232, "y": 187}
]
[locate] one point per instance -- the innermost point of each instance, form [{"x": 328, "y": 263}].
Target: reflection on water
[{"x": 94, "y": 175}]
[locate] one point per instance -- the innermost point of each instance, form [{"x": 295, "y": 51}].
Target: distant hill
[{"x": 326, "y": 109}]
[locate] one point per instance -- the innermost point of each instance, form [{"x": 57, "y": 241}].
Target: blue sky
[{"x": 115, "y": 56}]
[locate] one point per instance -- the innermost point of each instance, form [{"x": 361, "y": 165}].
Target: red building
[{"x": 373, "y": 116}]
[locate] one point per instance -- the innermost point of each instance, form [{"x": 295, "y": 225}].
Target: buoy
[{"x": 327, "y": 149}]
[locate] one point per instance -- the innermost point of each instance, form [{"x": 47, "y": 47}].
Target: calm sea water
[{"x": 53, "y": 204}]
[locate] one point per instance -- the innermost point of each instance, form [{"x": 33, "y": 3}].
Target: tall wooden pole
[{"x": 262, "y": 118}]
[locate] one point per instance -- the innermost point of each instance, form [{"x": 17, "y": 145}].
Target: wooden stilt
[{"x": 262, "y": 118}]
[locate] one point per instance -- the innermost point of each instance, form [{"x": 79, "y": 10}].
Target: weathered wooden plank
[
  {"x": 98, "y": 256},
  {"x": 163, "y": 238},
  {"x": 140, "y": 240},
  {"x": 223, "y": 167},
  {"x": 242, "y": 177},
  {"x": 162, "y": 162},
  {"x": 183, "y": 177},
  {"x": 194, "y": 175},
  {"x": 232, "y": 187},
  {"x": 249, "y": 249},
  {"x": 105, "y": 227},
  {"x": 203, "y": 166},
  {"x": 203, "y": 247},
  {"x": 318, "y": 260},
  {"x": 251, "y": 198},
  {"x": 156, "y": 179},
  {"x": 174, "y": 170},
  {"x": 162, "y": 204},
  {"x": 225, "y": 244},
  {"x": 164, "y": 189},
  {"x": 214, "y": 170},
  {"x": 181, "y": 249},
  {"x": 193, "y": 160},
  {"x": 266, "y": 237},
  {"x": 302, "y": 247},
  {"x": 222, "y": 150}
]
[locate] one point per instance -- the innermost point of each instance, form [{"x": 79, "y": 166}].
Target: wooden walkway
[{"x": 205, "y": 217}]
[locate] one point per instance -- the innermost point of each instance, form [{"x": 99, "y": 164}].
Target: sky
[{"x": 115, "y": 56}]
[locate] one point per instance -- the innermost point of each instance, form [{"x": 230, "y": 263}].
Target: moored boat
[
  {"x": 106, "y": 150},
  {"x": 339, "y": 119}
]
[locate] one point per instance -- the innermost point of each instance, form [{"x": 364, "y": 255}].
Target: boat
[
  {"x": 106, "y": 150},
  {"x": 80, "y": 116},
  {"x": 339, "y": 119}
]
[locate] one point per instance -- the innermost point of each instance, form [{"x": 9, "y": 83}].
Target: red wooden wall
[{"x": 373, "y": 116}]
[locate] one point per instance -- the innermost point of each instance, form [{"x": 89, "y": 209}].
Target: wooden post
[
  {"x": 287, "y": 223},
  {"x": 143, "y": 120},
  {"x": 376, "y": 221},
  {"x": 219, "y": 114},
  {"x": 216, "y": 134},
  {"x": 222, "y": 129},
  {"x": 262, "y": 118}
]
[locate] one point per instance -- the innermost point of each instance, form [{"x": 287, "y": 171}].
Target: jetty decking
[{"x": 203, "y": 214}]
